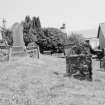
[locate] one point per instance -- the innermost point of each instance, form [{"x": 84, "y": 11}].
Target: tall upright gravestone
[{"x": 18, "y": 47}]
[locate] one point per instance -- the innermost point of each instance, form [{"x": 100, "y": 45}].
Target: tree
[
  {"x": 26, "y": 30},
  {"x": 32, "y": 31},
  {"x": 7, "y": 35},
  {"x": 55, "y": 39},
  {"x": 47, "y": 38}
]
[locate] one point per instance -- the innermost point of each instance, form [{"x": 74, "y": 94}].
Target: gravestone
[
  {"x": 78, "y": 65},
  {"x": 33, "y": 50},
  {"x": 1, "y": 36},
  {"x": 102, "y": 63},
  {"x": 18, "y": 47},
  {"x": 4, "y": 51},
  {"x": 68, "y": 49}
]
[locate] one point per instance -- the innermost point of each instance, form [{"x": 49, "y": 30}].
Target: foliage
[
  {"x": 47, "y": 38},
  {"x": 76, "y": 38},
  {"x": 32, "y": 31},
  {"x": 79, "y": 43},
  {"x": 7, "y": 35},
  {"x": 26, "y": 30},
  {"x": 55, "y": 39}
]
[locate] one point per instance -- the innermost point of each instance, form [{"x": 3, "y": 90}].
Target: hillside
[
  {"x": 26, "y": 81},
  {"x": 89, "y": 33}
]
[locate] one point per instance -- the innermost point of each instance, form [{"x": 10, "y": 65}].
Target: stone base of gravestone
[
  {"x": 18, "y": 51},
  {"x": 79, "y": 66}
]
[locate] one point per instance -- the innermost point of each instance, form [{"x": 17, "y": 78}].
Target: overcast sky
[{"x": 77, "y": 14}]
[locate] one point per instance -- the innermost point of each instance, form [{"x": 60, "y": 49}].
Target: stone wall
[{"x": 79, "y": 66}]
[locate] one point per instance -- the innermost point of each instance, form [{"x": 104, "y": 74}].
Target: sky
[{"x": 76, "y": 14}]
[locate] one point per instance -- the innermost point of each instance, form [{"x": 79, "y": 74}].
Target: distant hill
[{"x": 88, "y": 33}]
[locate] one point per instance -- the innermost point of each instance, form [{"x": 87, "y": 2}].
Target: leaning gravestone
[{"x": 18, "y": 47}]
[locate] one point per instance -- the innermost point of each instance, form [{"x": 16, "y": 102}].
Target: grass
[{"x": 26, "y": 81}]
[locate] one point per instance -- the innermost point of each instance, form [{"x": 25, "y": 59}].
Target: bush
[
  {"x": 79, "y": 43},
  {"x": 55, "y": 39},
  {"x": 47, "y": 38},
  {"x": 76, "y": 38}
]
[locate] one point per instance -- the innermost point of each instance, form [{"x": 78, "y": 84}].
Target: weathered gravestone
[
  {"x": 18, "y": 47},
  {"x": 33, "y": 50},
  {"x": 4, "y": 51},
  {"x": 1, "y": 36},
  {"x": 77, "y": 65},
  {"x": 102, "y": 63},
  {"x": 68, "y": 49}
]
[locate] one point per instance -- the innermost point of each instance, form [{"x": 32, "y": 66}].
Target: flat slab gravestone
[{"x": 18, "y": 47}]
